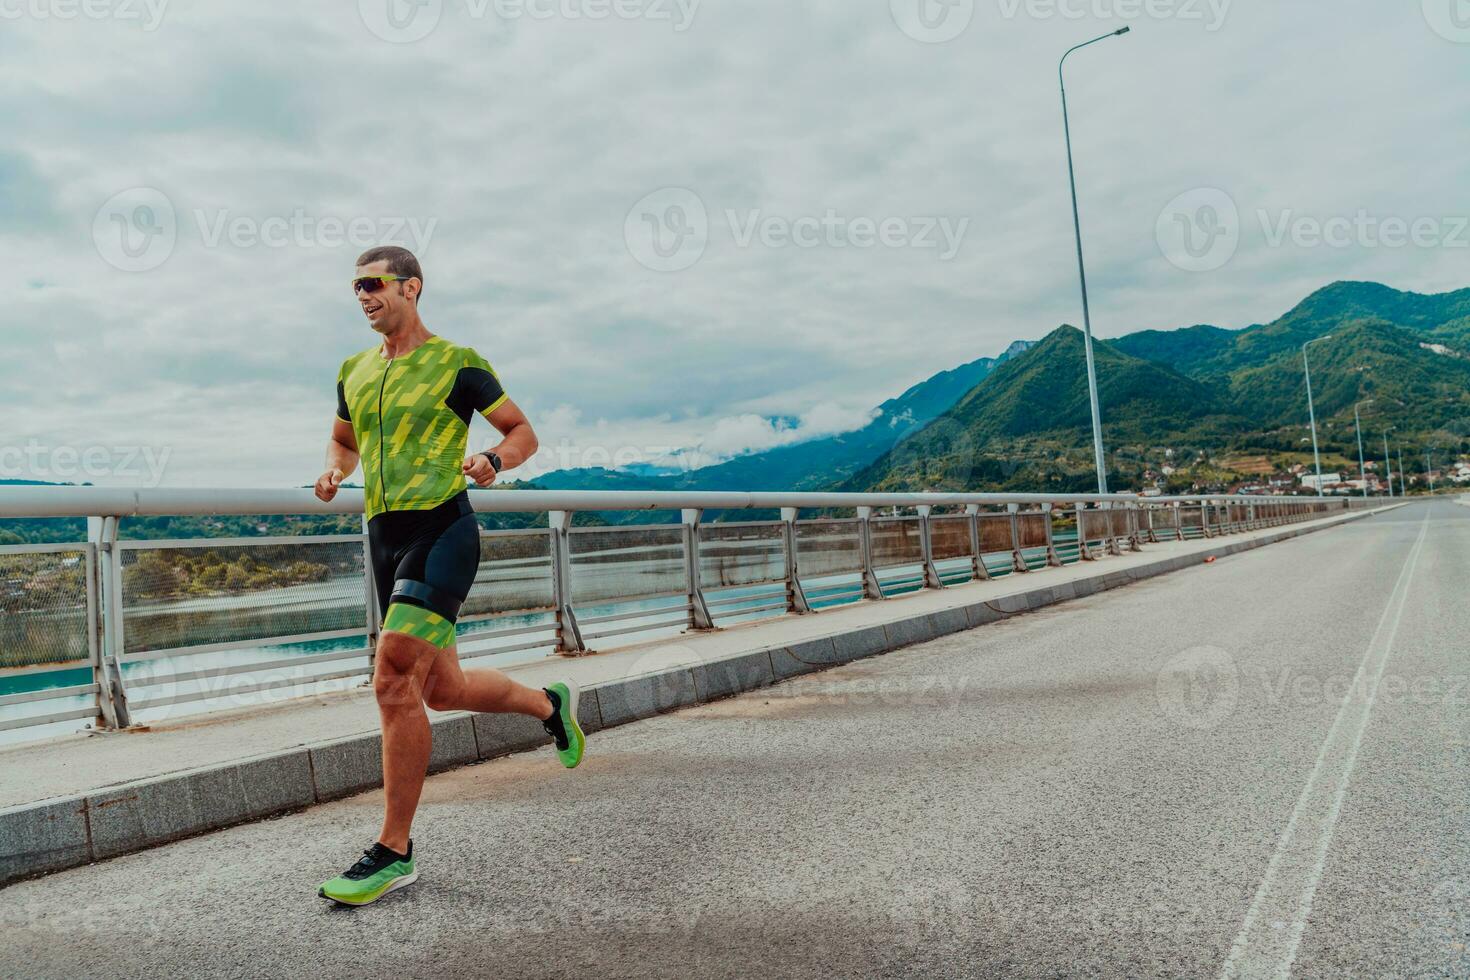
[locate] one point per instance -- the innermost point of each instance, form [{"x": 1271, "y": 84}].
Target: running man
[{"x": 404, "y": 409}]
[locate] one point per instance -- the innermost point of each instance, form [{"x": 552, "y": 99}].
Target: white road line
[{"x": 1273, "y": 927}]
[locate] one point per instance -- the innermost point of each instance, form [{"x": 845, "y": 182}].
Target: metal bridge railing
[{"x": 116, "y": 631}]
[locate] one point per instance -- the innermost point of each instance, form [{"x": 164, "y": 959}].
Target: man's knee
[{"x": 397, "y": 674}]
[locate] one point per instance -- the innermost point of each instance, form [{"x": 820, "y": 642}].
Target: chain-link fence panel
[
  {"x": 515, "y": 574},
  {"x": 44, "y": 601},
  {"x": 188, "y": 596},
  {"x": 949, "y": 537},
  {"x": 626, "y": 563},
  {"x": 828, "y": 547},
  {"x": 741, "y": 554},
  {"x": 896, "y": 541}
]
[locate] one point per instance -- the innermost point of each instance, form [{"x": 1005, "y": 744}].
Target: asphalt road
[{"x": 1185, "y": 777}]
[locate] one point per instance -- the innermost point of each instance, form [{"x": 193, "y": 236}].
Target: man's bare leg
[
  {"x": 448, "y": 687},
  {"x": 403, "y": 663}
]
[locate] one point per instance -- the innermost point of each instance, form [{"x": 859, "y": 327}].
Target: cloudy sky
[{"x": 666, "y": 222}]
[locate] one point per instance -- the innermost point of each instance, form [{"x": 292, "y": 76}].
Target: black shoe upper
[
  {"x": 375, "y": 859},
  {"x": 553, "y": 725}
]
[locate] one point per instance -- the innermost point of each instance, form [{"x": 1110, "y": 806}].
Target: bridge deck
[{"x": 1173, "y": 779}]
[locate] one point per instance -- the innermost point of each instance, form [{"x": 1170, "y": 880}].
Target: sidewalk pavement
[{"x": 76, "y": 799}]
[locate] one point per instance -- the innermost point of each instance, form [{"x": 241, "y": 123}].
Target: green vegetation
[{"x": 1216, "y": 407}]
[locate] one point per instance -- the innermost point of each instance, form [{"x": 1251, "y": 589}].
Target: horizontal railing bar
[
  {"x": 50, "y": 694},
  {"x": 633, "y": 629},
  {"x": 752, "y": 609},
  {"x": 827, "y": 596},
  {"x": 44, "y": 668},
  {"x": 635, "y": 614},
  {"x": 228, "y": 671},
  {"x": 735, "y": 600},
  {"x": 248, "y": 689},
  {"x": 589, "y": 603},
  {"x": 513, "y": 631},
  {"x": 34, "y": 720},
  {"x": 510, "y": 648},
  {"x": 28, "y": 501},
  {"x": 725, "y": 524},
  {"x": 41, "y": 549},
  {"x": 269, "y": 641},
  {"x": 170, "y": 544}
]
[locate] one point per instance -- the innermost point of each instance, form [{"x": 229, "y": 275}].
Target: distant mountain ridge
[
  {"x": 1028, "y": 424},
  {"x": 811, "y": 464}
]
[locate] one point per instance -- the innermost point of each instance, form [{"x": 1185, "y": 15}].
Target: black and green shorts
[{"x": 424, "y": 563}]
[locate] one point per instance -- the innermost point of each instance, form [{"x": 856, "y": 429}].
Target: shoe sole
[{"x": 398, "y": 883}]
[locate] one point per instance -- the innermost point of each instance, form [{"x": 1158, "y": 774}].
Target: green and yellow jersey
[{"x": 411, "y": 417}]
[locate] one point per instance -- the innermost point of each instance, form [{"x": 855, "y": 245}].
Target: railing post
[
  {"x": 699, "y": 617},
  {"x": 106, "y": 711},
  {"x": 977, "y": 562},
  {"x": 110, "y": 567},
  {"x": 1134, "y": 532},
  {"x": 1113, "y": 548},
  {"x": 872, "y": 589},
  {"x": 1204, "y": 518},
  {"x": 1153, "y": 533},
  {"x": 1178, "y": 521},
  {"x": 1082, "y": 549},
  {"x": 795, "y": 594},
  {"x": 568, "y": 633},
  {"x": 1250, "y": 515},
  {"x": 926, "y": 543},
  {"x": 1018, "y": 561},
  {"x": 1053, "y": 560}
]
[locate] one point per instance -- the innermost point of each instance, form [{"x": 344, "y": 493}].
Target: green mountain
[
  {"x": 1020, "y": 428},
  {"x": 1220, "y": 398}
]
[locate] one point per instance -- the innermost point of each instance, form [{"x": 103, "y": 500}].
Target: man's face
[{"x": 390, "y": 307}]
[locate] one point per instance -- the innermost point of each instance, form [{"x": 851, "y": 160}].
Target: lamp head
[{"x": 1121, "y": 31}]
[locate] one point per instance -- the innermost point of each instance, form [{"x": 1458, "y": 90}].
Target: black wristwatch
[{"x": 494, "y": 461}]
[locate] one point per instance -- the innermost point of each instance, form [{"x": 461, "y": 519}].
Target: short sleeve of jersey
[
  {"x": 342, "y": 412},
  {"x": 476, "y": 387}
]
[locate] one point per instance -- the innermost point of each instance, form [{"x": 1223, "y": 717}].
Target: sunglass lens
[{"x": 368, "y": 284}]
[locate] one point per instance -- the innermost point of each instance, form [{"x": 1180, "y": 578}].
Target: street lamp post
[
  {"x": 1429, "y": 469},
  {"x": 1388, "y": 460},
  {"x": 1312, "y": 411},
  {"x": 1097, "y": 440},
  {"x": 1403, "y": 491},
  {"x": 1362, "y": 466}
]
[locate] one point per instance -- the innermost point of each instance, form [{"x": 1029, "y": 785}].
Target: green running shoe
[
  {"x": 562, "y": 725},
  {"x": 378, "y": 872}
]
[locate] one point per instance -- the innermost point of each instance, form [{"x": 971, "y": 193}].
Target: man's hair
[{"x": 401, "y": 262}]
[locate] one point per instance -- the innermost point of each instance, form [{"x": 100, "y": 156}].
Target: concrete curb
[{"x": 55, "y": 834}]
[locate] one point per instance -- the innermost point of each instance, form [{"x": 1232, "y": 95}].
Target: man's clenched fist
[
  {"x": 327, "y": 484},
  {"x": 478, "y": 468}
]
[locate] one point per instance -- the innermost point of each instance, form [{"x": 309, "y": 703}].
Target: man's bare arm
[
  {"x": 518, "y": 444},
  {"x": 342, "y": 459}
]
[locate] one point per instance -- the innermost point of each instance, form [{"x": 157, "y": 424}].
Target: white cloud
[{"x": 529, "y": 140}]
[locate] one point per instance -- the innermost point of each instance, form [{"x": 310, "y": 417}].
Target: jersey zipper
[{"x": 382, "y": 434}]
